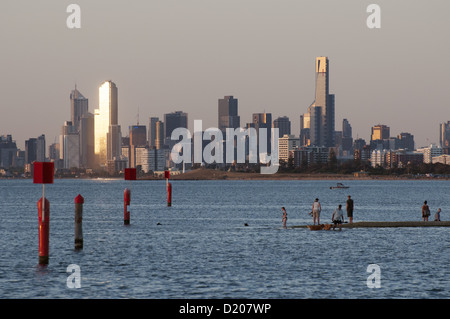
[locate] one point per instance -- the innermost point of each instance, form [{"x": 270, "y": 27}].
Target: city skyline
[{"x": 376, "y": 78}]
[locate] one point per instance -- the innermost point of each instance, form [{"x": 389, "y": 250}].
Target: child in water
[{"x": 284, "y": 218}]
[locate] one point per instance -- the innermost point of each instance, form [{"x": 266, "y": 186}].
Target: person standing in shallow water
[
  {"x": 316, "y": 209},
  {"x": 350, "y": 209},
  {"x": 284, "y": 218},
  {"x": 425, "y": 211}
]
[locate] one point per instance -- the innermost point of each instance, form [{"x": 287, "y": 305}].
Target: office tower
[
  {"x": 78, "y": 107},
  {"x": 87, "y": 140},
  {"x": 321, "y": 111},
  {"x": 114, "y": 142},
  {"x": 173, "y": 121},
  {"x": 263, "y": 120},
  {"x": 30, "y": 150},
  {"x": 138, "y": 135},
  {"x": 305, "y": 130},
  {"x": 54, "y": 152},
  {"x": 347, "y": 138},
  {"x": 405, "y": 141},
  {"x": 380, "y": 132},
  {"x": 346, "y": 128},
  {"x": 283, "y": 124},
  {"x": 444, "y": 134},
  {"x": 106, "y": 117},
  {"x": 8, "y": 151},
  {"x": 159, "y": 135},
  {"x": 152, "y": 131},
  {"x": 70, "y": 146},
  {"x": 40, "y": 148},
  {"x": 228, "y": 114}
]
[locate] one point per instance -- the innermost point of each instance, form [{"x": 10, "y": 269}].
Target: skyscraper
[
  {"x": 283, "y": 124},
  {"x": 30, "y": 150},
  {"x": 173, "y": 121},
  {"x": 106, "y": 118},
  {"x": 159, "y": 135},
  {"x": 152, "y": 131},
  {"x": 40, "y": 148},
  {"x": 138, "y": 135},
  {"x": 380, "y": 132},
  {"x": 228, "y": 113},
  {"x": 347, "y": 138},
  {"x": 87, "y": 140},
  {"x": 263, "y": 120},
  {"x": 70, "y": 146},
  {"x": 321, "y": 112},
  {"x": 78, "y": 107},
  {"x": 444, "y": 134}
]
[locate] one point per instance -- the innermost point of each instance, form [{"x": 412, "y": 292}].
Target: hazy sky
[{"x": 169, "y": 55}]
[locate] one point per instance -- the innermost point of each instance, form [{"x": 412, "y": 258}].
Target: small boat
[{"x": 339, "y": 185}]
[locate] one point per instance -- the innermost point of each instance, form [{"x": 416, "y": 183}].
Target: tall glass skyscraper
[
  {"x": 321, "y": 112},
  {"x": 78, "y": 107},
  {"x": 106, "y": 118}
]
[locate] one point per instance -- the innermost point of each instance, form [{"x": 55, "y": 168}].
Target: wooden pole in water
[{"x": 79, "y": 201}]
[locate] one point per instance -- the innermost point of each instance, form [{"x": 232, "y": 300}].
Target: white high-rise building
[
  {"x": 286, "y": 144},
  {"x": 429, "y": 152}
]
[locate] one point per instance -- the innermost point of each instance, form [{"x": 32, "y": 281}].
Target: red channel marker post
[
  {"x": 130, "y": 175},
  {"x": 79, "y": 201},
  {"x": 169, "y": 188},
  {"x": 43, "y": 174}
]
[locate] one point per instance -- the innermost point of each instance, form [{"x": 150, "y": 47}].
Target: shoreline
[{"x": 204, "y": 174}]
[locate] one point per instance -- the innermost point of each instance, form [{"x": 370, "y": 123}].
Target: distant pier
[{"x": 390, "y": 224}]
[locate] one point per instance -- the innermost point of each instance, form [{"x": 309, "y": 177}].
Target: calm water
[{"x": 201, "y": 249}]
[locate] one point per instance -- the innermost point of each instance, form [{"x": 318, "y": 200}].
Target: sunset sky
[{"x": 183, "y": 55}]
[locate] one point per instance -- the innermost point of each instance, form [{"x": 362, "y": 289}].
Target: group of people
[
  {"x": 426, "y": 213},
  {"x": 337, "y": 218}
]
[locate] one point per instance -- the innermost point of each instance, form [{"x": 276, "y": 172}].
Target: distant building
[
  {"x": 262, "y": 120},
  {"x": 87, "y": 140},
  {"x": 107, "y": 137},
  {"x": 305, "y": 156},
  {"x": 78, "y": 107},
  {"x": 40, "y": 149},
  {"x": 320, "y": 116},
  {"x": 443, "y": 159},
  {"x": 405, "y": 141},
  {"x": 283, "y": 124},
  {"x": 8, "y": 151},
  {"x": 430, "y": 152},
  {"x": 152, "y": 131},
  {"x": 380, "y": 132},
  {"x": 138, "y": 135},
  {"x": 395, "y": 158},
  {"x": 228, "y": 114},
  {"x": 30, "y": 150},
  {"x": 286, "y": 145},
  {"x": 173, "y": 121},
  {"x": 69, "y": 146},
  {"x": 444, "y": 134}
]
